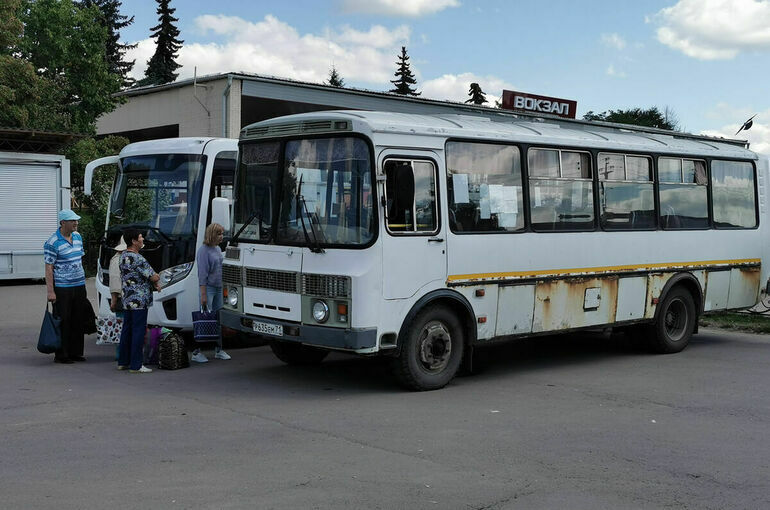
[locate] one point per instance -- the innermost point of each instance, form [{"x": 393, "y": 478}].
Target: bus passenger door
[{"x": 414, "y": 245}]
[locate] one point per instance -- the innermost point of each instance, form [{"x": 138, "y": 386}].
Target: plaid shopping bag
[{"x": 205, "y": 326}]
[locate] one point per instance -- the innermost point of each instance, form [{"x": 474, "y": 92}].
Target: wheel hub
[
  {"x": 675, "y": 320},
  {"x": 435, "y": 346}
]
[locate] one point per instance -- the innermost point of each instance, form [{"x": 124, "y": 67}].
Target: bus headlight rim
[
  {"x": 320, "y": 311},
  {"x": 232, "y": 296}
]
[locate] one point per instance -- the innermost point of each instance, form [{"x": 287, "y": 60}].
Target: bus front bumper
[{"x": 334, "y": 338}]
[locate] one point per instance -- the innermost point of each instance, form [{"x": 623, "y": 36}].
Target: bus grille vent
[
  {"x": 324, "y": 285},
  {"x": 315, "y": 126},
  {"x": 233, "y": 253},
  {"x": 281, "y": 281},
  {"x": 232, "y": 274}
]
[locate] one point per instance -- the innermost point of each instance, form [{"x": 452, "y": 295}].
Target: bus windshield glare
[
  {"x": 323, "y": 195},
  {"x": 160, "y": 191}
]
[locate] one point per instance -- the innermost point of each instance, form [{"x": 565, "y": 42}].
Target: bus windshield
[
  {"x": 325, "y": 196},
  {"x": 160, "y": 191}
]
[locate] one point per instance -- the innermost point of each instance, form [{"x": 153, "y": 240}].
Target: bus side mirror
[{"x": 220, "y": 212}]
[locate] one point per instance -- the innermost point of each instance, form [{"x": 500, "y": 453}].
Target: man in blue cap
[{"x": 65, "y": 281}]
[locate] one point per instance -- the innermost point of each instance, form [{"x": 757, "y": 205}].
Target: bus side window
[
  {"x": 682, "y": 193},
  {"x": 410, "y": 191},
  {"x": 222, "y": 178}
]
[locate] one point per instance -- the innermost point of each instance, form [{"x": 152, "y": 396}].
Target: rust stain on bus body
[
  {"x": 560, "y": 304},
  {"x": 744, "y": 287}
]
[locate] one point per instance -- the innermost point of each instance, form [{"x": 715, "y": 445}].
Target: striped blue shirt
[{"x": 65, "y": 257}]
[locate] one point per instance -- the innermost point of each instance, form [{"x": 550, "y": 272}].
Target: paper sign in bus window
[
  {"x": 577, "y": 195},
  {"x": 460, "y": 185},
  {"x": 496, "y": 198}
]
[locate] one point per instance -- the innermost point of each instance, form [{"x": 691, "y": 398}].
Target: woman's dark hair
[{"x": 130, "y": 235}]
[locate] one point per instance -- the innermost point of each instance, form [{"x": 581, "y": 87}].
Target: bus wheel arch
[
  {"x": 676, "y": 316},
  {"x": 433, "y": 341}
]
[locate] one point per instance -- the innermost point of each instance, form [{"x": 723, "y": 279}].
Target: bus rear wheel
[
  {"x": 432, "y": 351},
  {"x": 297, "y": 354},
  {"x": 675, "y": 323}
]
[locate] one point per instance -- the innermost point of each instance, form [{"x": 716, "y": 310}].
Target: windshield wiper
[
  {"x": 254, "y": 215},
  {"x": 314, "y": 246}
]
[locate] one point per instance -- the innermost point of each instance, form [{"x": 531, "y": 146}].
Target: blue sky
[{"x": 705, "y": 59}]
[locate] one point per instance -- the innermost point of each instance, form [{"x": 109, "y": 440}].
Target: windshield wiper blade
[
  {"x": 314, "y": 245},
  {"x": 254, "y": 215}
]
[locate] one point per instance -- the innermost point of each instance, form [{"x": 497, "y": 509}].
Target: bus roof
[
  {"x": 187, "y": 145},
  {"x": 503, "y": 127}
]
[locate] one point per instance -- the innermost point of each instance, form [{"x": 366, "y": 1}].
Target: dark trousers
[
  {"x": 69, "y": 306},
  {"x": 131, "y": 348}
]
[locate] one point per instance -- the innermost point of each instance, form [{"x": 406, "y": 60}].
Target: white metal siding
[{"x": 29, "y": 202}]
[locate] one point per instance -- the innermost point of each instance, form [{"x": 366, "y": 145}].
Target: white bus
[
  {"x": 164, "y": 188},
  {"x": 423, "y": 236}
]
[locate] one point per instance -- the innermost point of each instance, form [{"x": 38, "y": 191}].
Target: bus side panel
[
  {"x": 717, "y": 290},
  {"x": 744, "y": 287},
  {"x": 574, "y": 303},
  {"x": 631, "y": 297},
  {"x": 484, "y": 307},
  {"x": 515, "y": 310}
]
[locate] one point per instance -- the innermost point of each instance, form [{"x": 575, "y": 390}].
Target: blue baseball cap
[{"x": 68, "y": 214}]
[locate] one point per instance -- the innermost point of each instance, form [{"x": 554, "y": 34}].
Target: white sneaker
[
  {"x": 142, "y": 370},
  {"x": 200, "y": 358},
  {"x": 220, "y": 354}
]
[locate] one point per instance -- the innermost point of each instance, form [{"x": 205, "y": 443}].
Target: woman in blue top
[{"x": 210, "y": 280}]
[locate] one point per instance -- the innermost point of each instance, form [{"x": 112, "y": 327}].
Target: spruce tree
[
  {"x": 161, "y": 66},
  {"x": 113, "y": 21},
  {"x": 476, "y": 95},
  {"x": 404, "y": 77},
  {"x": 335, "y": 80}
]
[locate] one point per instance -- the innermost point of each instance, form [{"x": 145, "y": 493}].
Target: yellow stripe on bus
[{"x": 602, "y": 269}]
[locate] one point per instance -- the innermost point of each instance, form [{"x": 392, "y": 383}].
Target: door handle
[{"x": 436, "y": 240}]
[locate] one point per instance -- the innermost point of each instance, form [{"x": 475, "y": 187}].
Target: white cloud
[
  {"x": 409, "y": 8},
  {"x": 611, "y": 71},
  {"x": 758, "y": 135},
  {"x": 454, "y": 87},
  {"x": 272, "y": 47},
  {"x": 715, "y": 29},
  {"x": 613, "y": 41}
]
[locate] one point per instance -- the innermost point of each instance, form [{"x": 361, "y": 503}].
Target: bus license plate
[{"x": 267, "y": 328}]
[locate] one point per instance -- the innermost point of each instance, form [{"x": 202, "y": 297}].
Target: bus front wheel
[
  {"x": 432, "y": 350},
  {"x": 675, "y": 323},
  {"x": 297, "y": 354}
]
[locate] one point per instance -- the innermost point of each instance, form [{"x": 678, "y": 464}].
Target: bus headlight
[
  {"x": 232, "y": 296},
  {"x": 320, "y": 311},
  {"x": 174, "y": 274}
]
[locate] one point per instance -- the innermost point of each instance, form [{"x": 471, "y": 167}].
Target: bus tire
[
  {"x": 432, "y": 351},
  {"x": 297, "y": 354},
  {"x": 675, "y": 323}
]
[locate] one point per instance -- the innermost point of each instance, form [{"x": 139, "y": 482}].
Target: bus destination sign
[{"x": 522, "y": 101}]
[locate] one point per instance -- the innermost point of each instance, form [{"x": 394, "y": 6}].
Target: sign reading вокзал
[{"x": 533, "y": 103}]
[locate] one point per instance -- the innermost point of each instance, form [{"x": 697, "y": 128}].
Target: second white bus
[{"x": 420, "y": 237}]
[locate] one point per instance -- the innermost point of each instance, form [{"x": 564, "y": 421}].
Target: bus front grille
[
  {"x": 281, "y": 281},
  {"x": 232, "y": 274},
  {"x": 325, "y": 285}
]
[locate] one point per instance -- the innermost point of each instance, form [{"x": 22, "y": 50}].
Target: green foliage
[
  {"x": 11, "y": 27},
  {"x": 335, "y": 80},
  {"x": 476, "y": 95},
  {"x": 651, "y": 117},
  {"x": 66, "y": 47},
  {"x": 80, "y": 154},
  {"x": 161, "y": 66},
  {"x": 404, "y": 77},
  {"x": 113, "y": 22}
]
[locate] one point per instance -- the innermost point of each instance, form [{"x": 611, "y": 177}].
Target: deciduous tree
[
  {"x": 114, "y": 22},
  {"x": 476, "y": 95},
  {"x": 650, "y": 117}
]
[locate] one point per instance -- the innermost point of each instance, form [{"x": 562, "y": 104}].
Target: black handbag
[
  {"x": 50, "y": 333},
  {"x": 88, "y": 316}
]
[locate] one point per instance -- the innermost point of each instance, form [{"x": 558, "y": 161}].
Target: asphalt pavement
[{"x": 574, "y": 421}]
